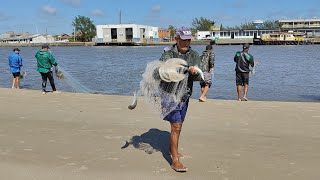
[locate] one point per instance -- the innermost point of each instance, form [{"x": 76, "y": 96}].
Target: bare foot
[
  {"x": 178, "y": 167},
  {"x": 202, "y": 99}
]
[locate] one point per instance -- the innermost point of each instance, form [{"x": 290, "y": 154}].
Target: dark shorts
[
  {"x": 242, "y": 78},
  {"x": 16, "y": 74},
  {"x": 207, "y": 80},
  {"x": 178, "y": 115}
]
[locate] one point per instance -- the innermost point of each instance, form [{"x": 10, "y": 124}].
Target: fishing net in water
[
  {"x": 164, "y": 84},
  {"x": 61, "y": 74}
]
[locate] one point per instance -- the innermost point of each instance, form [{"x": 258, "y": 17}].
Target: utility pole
[
  {"x": 120, "y": 17},
  {"x": 74, "y": 34}
]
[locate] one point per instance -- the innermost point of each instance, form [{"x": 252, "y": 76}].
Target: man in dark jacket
[
  {"x": 243, "y": 60},
  {"x": 45, "y": 61}
]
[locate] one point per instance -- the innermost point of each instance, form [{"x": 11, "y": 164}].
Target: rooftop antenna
[{"x": 120, "y": 16}]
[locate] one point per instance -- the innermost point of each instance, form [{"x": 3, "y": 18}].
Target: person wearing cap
[
  {"x": 176, "y": 117},
  {"x": 45, "y": 61},
  {"x": 15, "y": 63},
  {"x": 207, "y": 59},
  {"x": 243, "y": 60}
]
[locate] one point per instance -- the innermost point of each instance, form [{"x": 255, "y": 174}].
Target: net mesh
[
  {"x": 164, "y": 84},
  {"x": 76, "y": 86}
]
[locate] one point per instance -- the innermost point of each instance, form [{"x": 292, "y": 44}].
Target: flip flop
[
  {"x": 184, "y": 169},
  {"x": 201, "y": 100},
  {"x": 244, "y": 99}
]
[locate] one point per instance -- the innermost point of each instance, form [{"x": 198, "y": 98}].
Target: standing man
[
  {"x": 243, "y": 60},
  {"x": 176, "y": 117},
  {"x": 15, "y": 63},
  {"x": 207, "y": 68},
  {"x": 45, "y": 61}
]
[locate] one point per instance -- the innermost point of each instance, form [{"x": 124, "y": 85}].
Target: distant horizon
[{"x": 56, "y": 17}]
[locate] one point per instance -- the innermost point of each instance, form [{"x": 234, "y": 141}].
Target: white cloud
[
  {"x": 49, "y": 10},
  {"x": 72, "y": 2},
  {"x": 97, "y": 13},
  {"x": 156, "y": 8}
]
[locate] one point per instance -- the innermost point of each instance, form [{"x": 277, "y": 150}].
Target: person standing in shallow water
[
  {"x": 15, "y": 63},
  {"x": 207, "y": 68},
  {"x": 243, "y": 60},
  {"x": 45, "y": 61},
  {"x": 176, "y": 117}
]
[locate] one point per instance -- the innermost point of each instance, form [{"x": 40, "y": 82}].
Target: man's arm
[
  {"x": 235, "y": 59},
  {"x": 251, "y": 61},
  {"x": 52, "y": 60},
  {"x": 20, "y": 61}
]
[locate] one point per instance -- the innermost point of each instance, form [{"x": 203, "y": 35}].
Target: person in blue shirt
[{"x": 15, "y": 63}]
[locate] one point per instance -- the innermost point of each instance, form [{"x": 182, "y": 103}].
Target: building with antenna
[{"x": 125, "y": 34}]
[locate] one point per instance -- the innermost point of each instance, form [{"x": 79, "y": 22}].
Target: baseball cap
[
  {"x": 246, "y": 46},
  {"x": 16, "y": 49},
  {"x": 45, "y": 46},
  {"x": 184, "y": 33}
]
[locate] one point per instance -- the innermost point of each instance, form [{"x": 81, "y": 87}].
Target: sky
[{"x": 56, "y": 16}]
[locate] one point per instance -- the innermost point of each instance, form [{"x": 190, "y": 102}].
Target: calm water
[{"x": 284, "y": 73}]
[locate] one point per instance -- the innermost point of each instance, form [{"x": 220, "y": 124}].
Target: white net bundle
[{"x": 164, "y": 85}]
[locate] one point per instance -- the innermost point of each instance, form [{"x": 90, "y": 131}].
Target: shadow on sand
[{"x": 152, "y": 141}]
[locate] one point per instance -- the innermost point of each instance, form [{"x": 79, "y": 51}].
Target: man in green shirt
[{"x": 45, "y": 61}]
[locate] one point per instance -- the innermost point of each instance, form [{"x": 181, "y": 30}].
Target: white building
[
  {"x": 232, "y": 34},
  {"x": 126, "y": 33},
  {"x": 26, "y": 38}
]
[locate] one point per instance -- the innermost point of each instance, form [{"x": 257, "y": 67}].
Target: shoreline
[
  {"x": 196, "y": 42},
  {"x": 94, "y": 136}
]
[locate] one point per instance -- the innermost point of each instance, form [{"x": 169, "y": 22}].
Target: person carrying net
[{"x": 177, "y": 115}]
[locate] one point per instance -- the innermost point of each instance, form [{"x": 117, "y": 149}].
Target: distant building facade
[
  {"x": 311, "y": 27},
  {"x": 12, "y": 37},
  {"x": 126, "y": 33}
]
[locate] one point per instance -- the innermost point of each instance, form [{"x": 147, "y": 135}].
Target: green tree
[
  {"x": 202, "y": 24},
  {"x": 172, "y": 31},
  {"x": 84, "y": 27},
  {"x": 270, "y": 25}
]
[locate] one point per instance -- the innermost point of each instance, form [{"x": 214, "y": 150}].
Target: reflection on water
[{"x": 283, "y": 73}]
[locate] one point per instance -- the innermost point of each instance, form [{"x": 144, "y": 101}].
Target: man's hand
[
  {"x": 192, "y": 70},
  {"x": 56, "y": 69}
]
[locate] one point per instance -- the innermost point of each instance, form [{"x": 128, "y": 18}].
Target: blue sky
[{"x": 56, "y": 16}]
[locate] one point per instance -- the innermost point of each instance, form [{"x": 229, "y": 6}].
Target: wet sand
[{"x": 91, "y": 136}]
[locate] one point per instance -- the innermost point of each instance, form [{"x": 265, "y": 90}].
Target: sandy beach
[{"x": 93, "y": 136}]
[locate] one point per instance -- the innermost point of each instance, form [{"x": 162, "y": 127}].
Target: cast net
[
  {"x": 164, "y": 85},
  {"x": 76, "y": 86}
]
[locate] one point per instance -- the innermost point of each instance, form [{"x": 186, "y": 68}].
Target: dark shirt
[{"x": 243, "y": 60}]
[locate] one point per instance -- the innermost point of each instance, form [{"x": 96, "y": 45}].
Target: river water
[{"x": 283, "y": 73}]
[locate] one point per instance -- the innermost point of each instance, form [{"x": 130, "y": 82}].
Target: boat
[{"x": 283, "y": 38}]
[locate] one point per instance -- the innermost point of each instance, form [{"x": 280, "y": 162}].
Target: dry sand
[{"x": 91, "y": 136}]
